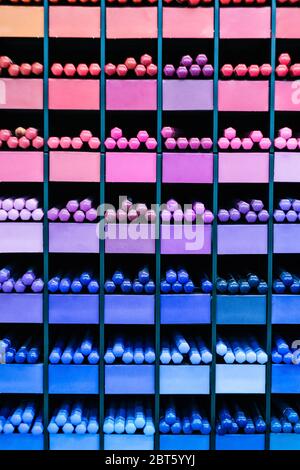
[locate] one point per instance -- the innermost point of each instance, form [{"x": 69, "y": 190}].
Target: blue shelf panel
[
  {"x": 240, "y": 378},
  {"x": 74, "y": 442},
  {"x": 240, "y": 442},
  {"x": 77, "y": 379},
  {"x": 185, "y": 308},
  {"x": 184, "y": 442},
  {"x": 128, "y": 442},
  {"x": 129, "y": 309},
  {"x": 129, "y": 379},
  {"x": 72, "y": 308},
  {"x": 21, "y": 378},
  {"x": 184, "y": 380},
  {"x": 284, "y": 441},
  {"x": 285, "y": 378},
  {"x": 241, "y": 309},
  {"x": 21, "y": 308},
  {"x": 285, "y": 309},
  {"x": 21, "y": 442}
]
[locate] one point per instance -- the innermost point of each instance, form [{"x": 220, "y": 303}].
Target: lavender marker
[
  {"x": 64, "y": 215},
  {"x": 263, "y": 215},
  {"x": 199, "y": 208},
  {"x": 172, "y": 205},
  {"x": 189, "y": 215},
  {"x": 291, "y": 216},
  {"x": 178, "y": 215},
  {"x": 234, "y": 215},
  {"x": 25, "y": 215},
  {"x": 243, "y": 207},
  {"x": 79, "y": 216},
  {"x": 20, "y": 286},
  {"x": 257, "y": 205},
  {"x": 37, "y": 285},
  {"x": 91, "y": 215},
  {"x": 3, "y": 215},
  {"x": 166, "y": 215},
  {"x": 53, "y": 214},
  {"x": 8, "y": 286},
  {"x": 208, "y": 217},
  {"x": 19, "y": 203},
  {"x": 28, "y": 277},
  {"x": 7, "y": 204},
  {"x": 13, "y": 214},
  {"x": 201, "y": 59},
  {"x": 223, "y": 215},
  {"x": 37, "y": 214},
  {"x": 85, "y": 204},
  {"x": 31, "y": 204},
  {"x": 251, "y": 217},
  {"x": 285, "y": 204},
  {"x": 296, "y": 205},
  {"x": 279, "y": 215},
  {"x": 72, "y": 205}
]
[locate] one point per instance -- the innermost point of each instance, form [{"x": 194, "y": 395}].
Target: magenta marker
[
  {"x": 121, "y": 215},
  {"x": 182, "y": 143},
  {"x": 31, "y": 204},
  {"x": 110, "y": 216},
  {"x": 53, "y": 143},
  {"x": 223, "y": 143},
  {"x": 7, "y": 204},
  {"x": 242, "y": 206},
  {"x": 247, "y": 143},
  {"x": 251, "y": 217},
  {"x": 186, "y": 60},
  {"x": 223, "y": 215},
  {"x": 178, "y": 215},
  {"x": 143, "y": 136},
  {"x": 256, "y": 136},
  {"x": 236, "y": 143},
  {"x": 169, "y": 70},
  {"x": 170, "y": 143},
  {"x": 91, "y": 215},
  {"x": 72, "y": 206},
  {"x": 31, "y": 133},
  {"x": 65, "y": 142},
  {"x": 208, "y": 70},
  {"x": 25, "y": 215},
  {"x": 37, "y": 214},
  {"x": 172, "y": 205},
  {"x": 201, "y": 59},
  {"x": 79, "y": 216},
  {"x": 195, "y": 70},
  {"x": 52, "y": 214},
  {"x": 265, "y": 143},
  {"x": 194, "y": 143},
  {"x": 85, "y": 204},
  {"x": 234, "y": 215},
  {"x": 230, "y": 133},
  {"x": 166, "y": 215},
  {"x": 64, "y": 215},
  {"x": 208, "y": 217},
  {"x": 168, "y": 132},
  {"x": 19, "y": 203},
  {"x": 206, "y": 143},
  {"x": 291, "y": 216},
  {"x": 122, "y": 143},
  {"x": 279, "y": 215},
  {"x": 134, "y": 143},
  {"x": 285, "y": 132},
  {"x": 263, "y": 215},
  {"x": 285, "y": 204},
  {"x": 110, "y": 143},
  {"x": 151, "y": 143},
  {"x": 280, "y": 143},
  {"x": 3, "y": 215},
  {"x": 13, "y": 214},
  {"x": 116, "y": 133},
  {"x": 199, "y": 208},
  {"x": 182, "y": 72}
]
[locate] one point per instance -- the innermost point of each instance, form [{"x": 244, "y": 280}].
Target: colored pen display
[
  {"x": 135, "y": 418},
  {"x": 10, "y": 69},
  {"x": 74, "y": 211},
  {"x": 190, "y": 67},
  {"x": 286, "y": 282},
  {"x": 186, "y": 419},
  {"x": 83, "y": 350},
  {"x": 84, "y": 282},
  {"x": 121, "y": 283},
  {"x": 127, "y": 350},
  {"x": 175, "y": 142},
  {"x": 240, "y": 419},
  {"x": 285, "y": 350},
  {"x": 285, "y": 417},
  {"x": 254, "y": 139},
  {"x": 74, "y": 418},
  {"x": 21, "y": 138},
  {"x": 287, "y": 211},
  {"x": 241, "y": 350},
  {"x": 12, "y": 280},
  {"x": 178, "y": 349},
  {"x": 16, "y": 351},
  {"x": 249, "y": 211},
  {"x": 25, "y": 418},
  {"x": 179, "y": 281},
  {"x": 236, "y": 284},
  {"x": 21, "y": 209}
]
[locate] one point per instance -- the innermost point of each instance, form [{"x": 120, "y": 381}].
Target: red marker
[
  {"x": 70, "y": 70},
  {"x": 266, "y": 70},
  {"x": 140, "y": 70},
  {"x": 241, "y": 70},
  {"x": 227, "y": 70},
  {"x": 152, "y": 70},
  {"x": 57, "y": 69},
  {"x": 14, "y": 70},
  {"x": 5, "y": 62},
  {"x": 110, "y": 69},
  {"x": 82, "y": 70},
  {"x": 146, "y": 59},
  {"x": 25, "y": 69},
  {"x": 37, "y": 68},
  {"x": 94, "y": 70},
  {"x": 122, "y": 70},
  {"x": 295, "y": 70},
  {"x": 130, "y": 63},
  {"x": 254, "y": 71},
  {"x": 282, "y": 70},
  {"x": 284, "y": 58}
]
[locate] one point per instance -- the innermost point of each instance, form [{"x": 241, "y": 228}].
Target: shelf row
[
  {"x": 139, "y": 309},
  {"x": 198, "y": 22},
  {"x": 140, "y": 167},
  {"x": 141, "y": 95}
]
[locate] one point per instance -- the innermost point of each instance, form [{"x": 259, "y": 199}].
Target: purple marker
[
  {"x": 37, "y": 285},
  {"x": 201, "y": 59},
  {"x": 19, "y": 203},
  {"x": 37, "y": 214},
  {"x": 186, "y": 60},
  {"x": 263, "y": 215},
  {"x": 7, "y": 204},
  {"x": 19, "y": 286},
  {"x": 199, "y": 208},
  {"x": 8, "y": 286},
  {"x": 166, "y": 215},
  {"x": 28, "y": 277},
  {"x": 85, "y": 204},
  {"x": 25, "y": 214},
  {"x": 31, "y": 204},
  {"x": 79, "y": 216},
  {"x": 223, "y": 215},
  {"x": 13, "y": 214},
  {"x": 182, "y": 72},
  {"x": 169, "y": 70},
  {"x": 251, "y": 217},
  {"x": 3, "y": 215},
  {"x": 208, "y": 217},
  {"x": 285, "y": 204},
  {"x": 178, "y": 215},
  {"x": 195, "y": 70},
  {"x": 72, "y": 206},
  {"x": 242, "y": 206},
  {"x": 296, "y": 205},
  {"x": 234, "y": 215},
  {"x": 110, "y": 216},
  {"x": 172, "y": 205},
  {"x": 208, "y": 70},
  {"x": 182, "y": 143},
  {"x": 91, "y": 215},
  {"x": 256, "y": 205},
  {"x": 53, "y": 214},
  {"x": 64, "y": 215},
  {"x": 189, "y": 215},
  {"x": 167, "y": 132},
  {"x": 291, "y": 216},
  {"x": 279, "y": 215}
]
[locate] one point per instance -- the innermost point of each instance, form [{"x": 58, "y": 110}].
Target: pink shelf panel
[
  {"x": 128, "y": 22},
  {"x": 243, "y": 23},
  {"x": 245, "y": 95},
  {"x": 74, "y": 94},
  {"x": 75, "y": 166},
  {"x": 243, "y": 167},
  {"x": 21, "y": 167},
  {"x": 287, "y": 96},
  {"x": 74, "y": 22},
  {"x": 131, "y": 95},
  {"x": 21, "y": 93},
  {"x": 287, "y": 23},
  {"x": 130, "y": 167},
  {"x": 188, "y": 22}
]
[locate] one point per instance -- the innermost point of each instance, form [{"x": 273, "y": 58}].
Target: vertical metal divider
[
  {"x": 45, "y": 225},
  {"x": 214, "y": 243},
  {"x": 270, "y": 224},
  {"x": 101, "y": 240},
  {"x": 157, "y": 222}
]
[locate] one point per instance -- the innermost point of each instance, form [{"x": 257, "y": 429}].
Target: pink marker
[
  {"x": 13, "y": 214},
  {"x": 24, "y": 143},
  {"x": 53, "y": 143},
  {"x": 280, "y": 143},
  {"x": 5, "y": 134},
  {"x": 19, "y": 203},
  {"x": 3, "y": 215},
  {"x": 31, "y": 204},
  {"x": 166, "y": 215},
  {"x": 189, "y": 215},
  {"x": 134, "y": 143},
  {"x": 236, "y": 143},
  {"x": 122, "y": 143},
  {"x": 230, "y": 133},
  {"x": 94, "y": 143},
  {"x": 256, "y": 136},
  {"x": 247, "y": 143},
  {"x": 223, "y": 143},
  {"x": 132, "y": 214},
  {"x": 116, "y": 133},
  {"x": 85, "y": 204},
  {"x": 72, "y": 206},
  {"x": 292, "y": 143},
  {"x": 182, "y": 72},
  {"x": 178, "y": 215},
  {"x": 168, "y": 132},
  {"x": 141, "y": 208},
  {"x": 79, "y": 216},
  {"x": 150, "y": 215},
  {"x": 110, "y": 216},
  {"x": 76, "y": 143},
  {"x": 65, "y": 142},
  {"x": 194, "y": 143},
  {"x": 110, "y": 143},
  {"x": 25, "y": 215},
  {"x": 7, "y": 204},
  {"x": 172, "y": 205},
  {"x": 52, "y": 214},
  {"x": 13, "y": 142},
  {"x": 126, "y": 204},
  {"x": 38, "y": 142},
  {"x": 85, "y": 135},
  {"x": 37, "y": 214},
  {"x": 142, "y": 136},
  {"x": 31, "y": 133},
  {"x": 64, "y": 215},
  {"x": 91, "y": 214},
  {"x": 182, "y": 143},
  {"x": 151, "y": 143},
  {"x": 170, "y": 143},
  {"x": 206, "y": 143},
  {"x": 265, "y": 143},
  {"x": 285, "y": 132},
  {"x": 121, "y": 215}
]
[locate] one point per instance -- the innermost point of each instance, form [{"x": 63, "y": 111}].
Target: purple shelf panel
[
  {"x": 243, "y": 167},
  {"x": 287, "y": 167},
  {"x": 21, "y": 237},
  {"x": 240, "y": 378},
  {"x": 21, "y": 308},
  {"x": 187, "y": 168},
  {"x": 130, "y": 167},
  {"x": 185, "y": 239},
  {"x": 129, "y": 309},
  {"x": 73, "y": 238},
  {"x": 184, "y": 380},
  {"x": 187, "y": 95},
  {"x": 242, "y": 239},
  {"x": 286, "y": 238},
  {"x": 131, "y": 95},
  {"x": 185, "y": 308},
  {"x": 130, "y": 238},
  {"x": 129, "y": 379},
  {"x": 243, "y": 95},
  {"x": 74, "y": 308}
]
